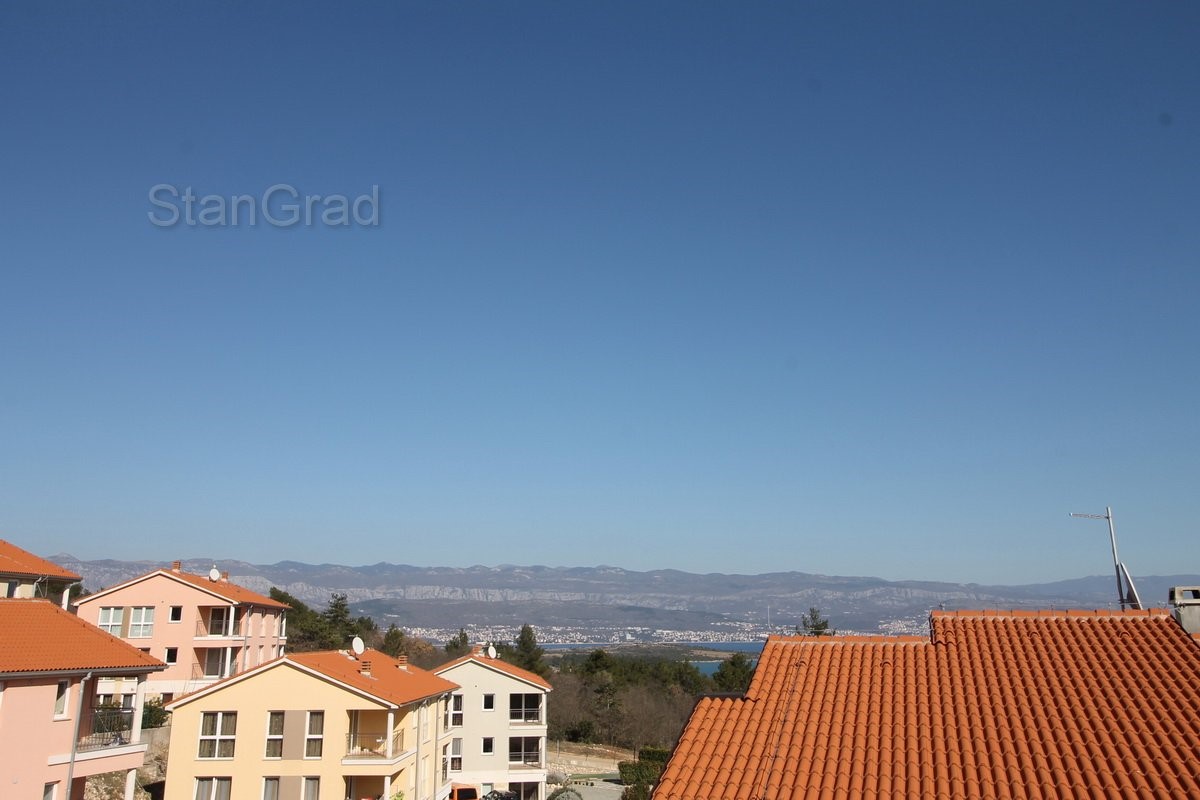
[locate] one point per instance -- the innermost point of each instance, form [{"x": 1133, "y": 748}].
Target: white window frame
[
  {"x": 489, "y": 702},
  {"x": 171, "y": 655},
  {"x": 50, "y": 791},
  {"x": 488, "y": 746},
  {"x": 456, "y": 754},
  {"x": 175, "y": 615},
  {"x": 311, "y": 788},
  {"x": 269, "y": 781},
  {"x": 311, "y": 738},
  {"x": 274, "y": 737},
  {"x": 214, "y": 788},
  {"x": 111, "y": 619},
  {"x": 520, "y": 713},
  {"x": 141, "y": 622},
  {"x": 455, "y": 709},
  {"x": 218, "y": 737}
]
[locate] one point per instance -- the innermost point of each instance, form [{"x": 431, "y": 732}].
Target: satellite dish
[
  {"x": 214, "y": 574},
  {"x": 357, "y": 646},
  {"x": 491, "y": 651}
]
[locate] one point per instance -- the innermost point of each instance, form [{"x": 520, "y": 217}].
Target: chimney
[
  {"x": 225, "y": 577},
  {"x": 176, "y": 566},
  {"x": 1185, "y": 601},
  {"x": 402, "y": 662},
  {"x": 364, "y": 667}
]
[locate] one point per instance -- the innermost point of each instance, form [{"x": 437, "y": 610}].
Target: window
[
  {"x": 172, "y": 655},
  {"x": 274, "y": 734},
  {"x": 489, "y": 745},
  {"x": 525, "y": 707},
  {"x": 525, "y": 750},
  {"x": 456, "y": 710},
  {"x": 111, "y": 619},
  {"x": 218, "y": 620},
  {"x": 50, "y": 791},
  {"x": 456, "y": 755},
  {"x": 314, "y": 740},
  {"x": 213, "y": 788},
  {"x": 176, "y": 614},
  {"x": 489, "y": 702},
  {"x": 217, "y": 731},
  {"x": 312, "y": 789},
  {"x": 60, "y": 699},
  {"x": 141, "y": 622},
  {"x": 270, "y": 789}
]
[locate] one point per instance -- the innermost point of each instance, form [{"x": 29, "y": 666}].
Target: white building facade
[{"x": 497, "y": 724}]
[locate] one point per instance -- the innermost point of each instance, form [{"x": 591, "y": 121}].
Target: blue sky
[{"x": 880, "y": 289}]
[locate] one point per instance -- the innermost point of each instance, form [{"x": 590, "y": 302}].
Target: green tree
[
  {"x": 460, "y": 645},
  {"x": 394, "y": 642},
  {"x": 154, "y": 715},
  {"x": 734, "y": 674},
  {"x": 341, "y": 627},
  {"x": 813, "y": 624},
  {"x": 307, "y": 629},
  {"x": 528, "y": 655}
]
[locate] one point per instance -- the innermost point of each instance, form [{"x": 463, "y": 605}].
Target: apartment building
[
  {"x": 52, "y": 735},
  {"x": 497, "y": 723},
  {"x": 22, "y": 574},
  {"x": 313, "y": 726},
  {"x": 203, "y": 627}
]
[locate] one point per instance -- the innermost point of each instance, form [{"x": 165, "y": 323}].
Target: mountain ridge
[{"x": 606, "y": 600}]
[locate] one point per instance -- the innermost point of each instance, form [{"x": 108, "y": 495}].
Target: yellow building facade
[{"x": 313, "y": 726}]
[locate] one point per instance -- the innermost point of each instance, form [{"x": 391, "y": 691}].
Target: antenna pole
[{"x": 1112, "y": 536}]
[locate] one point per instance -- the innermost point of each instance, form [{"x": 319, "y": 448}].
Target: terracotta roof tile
[
  {"x": 993, "y": 704},
  {"x": 221, "y": 588},
  {"x": 38, "y": 636},
  {"x": 15, "y": 561},
  {"x": 388, "y": 679},
  {"x": 476, "y": 655}
]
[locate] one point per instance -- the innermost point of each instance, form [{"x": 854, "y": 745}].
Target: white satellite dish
[
  {"x": 357, "y": 646},
  {"x": 214, "y": 574},
  {"x": 491, "y": 651}
]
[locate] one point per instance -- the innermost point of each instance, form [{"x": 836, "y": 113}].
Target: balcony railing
[
  {"x": 526, "y": 760},
  {"x": 373, "y": 745},
  {"x": 105, "y": 727},
  {"x": 200, "y": 671},
  {"x": 204, "y": 628}
]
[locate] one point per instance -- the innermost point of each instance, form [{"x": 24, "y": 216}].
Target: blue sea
[{"x": 705, "y": 667}]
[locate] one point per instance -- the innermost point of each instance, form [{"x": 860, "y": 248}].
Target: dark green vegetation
[
  {"x": 813, "y": 624},
  {"x": 637, "y": 699}
]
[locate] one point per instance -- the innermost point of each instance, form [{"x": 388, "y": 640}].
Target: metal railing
[
  {"x": 373, "y": 745},
  {"x": 105, "y": 727}
]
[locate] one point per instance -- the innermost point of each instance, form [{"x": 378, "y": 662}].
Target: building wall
[
  {"x": 36, "y": 743},
  {"x": 480, "y": 769},
  {"x": 257, "y": 636},
  {"x": 288, "y": 689}
]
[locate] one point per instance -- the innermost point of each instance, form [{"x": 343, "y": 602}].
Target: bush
[
  {"x": 639, "y": 791},
  {"x": 635, "y": 772},
  {"x": 154, "y": 715},
  {"x": 658, "y": 755}
]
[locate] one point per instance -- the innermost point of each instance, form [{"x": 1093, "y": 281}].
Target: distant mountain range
[{"x": 571, "y": 601}]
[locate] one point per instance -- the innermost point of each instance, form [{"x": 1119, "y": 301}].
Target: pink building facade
[
  {"x": 203, "y": 627},
  {"x": 52, "y": 735}
]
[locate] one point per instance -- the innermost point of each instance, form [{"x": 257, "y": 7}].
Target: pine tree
[
  {"x": 528, "y": 655},
  {"x": 814, "y": 624},
  {"x": 734, "y": 674}
]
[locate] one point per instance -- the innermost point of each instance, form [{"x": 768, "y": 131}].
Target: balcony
[
  {"x": 104, "y": 728},
  {"x": 373, "y": 745}
]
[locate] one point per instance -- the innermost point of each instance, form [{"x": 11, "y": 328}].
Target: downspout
[
  {"x": 75, "y": 733},
  {"x": 66, "y": 601}
]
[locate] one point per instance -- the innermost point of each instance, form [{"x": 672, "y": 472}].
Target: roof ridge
[{"x": 1049, "y": 613}]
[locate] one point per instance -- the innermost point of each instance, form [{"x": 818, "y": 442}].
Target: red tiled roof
[
  {"x": 476, "y": 655},
  {"x": 994, "y": 704},
  {"x": 38, "y": 636},
  {"x": 221, "y": 588},
  {"x": 389, "y": 680},
  {"x": 15, "y": 561}
]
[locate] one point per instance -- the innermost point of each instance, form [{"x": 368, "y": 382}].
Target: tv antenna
[{"x": 1126, "y": 593}]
